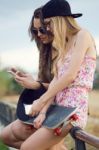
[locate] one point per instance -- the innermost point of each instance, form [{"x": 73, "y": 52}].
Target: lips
[{"x": 42, "y": 39}]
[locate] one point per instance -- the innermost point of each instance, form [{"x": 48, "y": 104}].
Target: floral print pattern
[{"x": 76, "y": 94}]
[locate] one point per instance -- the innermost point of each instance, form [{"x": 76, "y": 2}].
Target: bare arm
[
  {"x": 46, "y": 106},
  {"x": 81, "y": 47},
  {"x": 28, "y": 81}
]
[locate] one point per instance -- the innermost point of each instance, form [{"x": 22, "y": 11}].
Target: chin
[{"x": 45, "y": 42}]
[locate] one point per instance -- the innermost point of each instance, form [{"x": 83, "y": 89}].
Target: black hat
[
  {"x": 27, "y": 97},
  {"x": 58, "y": 8}
]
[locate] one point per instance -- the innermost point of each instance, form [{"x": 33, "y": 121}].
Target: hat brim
[
  {"x": 27, "y": 97},
  {"x": 76, "y": 15},
  {"x": 62, "y": 15}
]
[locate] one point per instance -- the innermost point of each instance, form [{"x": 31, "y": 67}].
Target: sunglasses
[{"x": 42, "y": 30}]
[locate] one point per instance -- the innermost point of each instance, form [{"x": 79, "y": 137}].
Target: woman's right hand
[{"x": 26, "y": 80}]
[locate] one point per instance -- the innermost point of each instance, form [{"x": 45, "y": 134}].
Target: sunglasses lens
[
  {"x": 35, "y": 31},
  {"x": 42, "y": 30}
]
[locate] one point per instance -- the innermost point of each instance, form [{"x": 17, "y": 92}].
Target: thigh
[
  {"x": 60, "y": 146},
  {"x": 16, "y": 131},
  {"x": 22, "y": 131},
  {"x": 42, "y": 139}
]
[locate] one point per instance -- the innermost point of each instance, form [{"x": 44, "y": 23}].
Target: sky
[{"x": 16, "y": 49}]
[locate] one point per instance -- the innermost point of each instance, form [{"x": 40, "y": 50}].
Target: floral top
[
  {"x": 85, "y": 75},
  {"x": 76, "y": 94}
]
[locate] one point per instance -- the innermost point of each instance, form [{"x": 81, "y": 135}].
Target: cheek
[
  {"x": 50, "y": 35},
  {"x": 49, "y": 38}
]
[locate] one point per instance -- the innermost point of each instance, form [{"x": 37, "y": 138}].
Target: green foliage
[
  {"x": 8, "y": 85},
  {"x": 3, "y": 83},
  {"x": 14, "y": 87},
  {"x": 3, "y": 147},
  {"x": 96, "y": 81}
]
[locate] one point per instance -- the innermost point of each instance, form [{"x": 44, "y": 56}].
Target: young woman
[
  {"x": 73, "y": 70},
  {"x": 16, "y": 133}
]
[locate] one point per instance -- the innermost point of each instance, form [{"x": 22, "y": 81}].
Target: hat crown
[
  {"x": 57, "y": 8},
  {"x": 63, "y": 5}
]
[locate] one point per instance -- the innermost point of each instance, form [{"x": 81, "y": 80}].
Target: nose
[
  {"x": 48, "y": 28},
  {"x": 39, "y": 33}
]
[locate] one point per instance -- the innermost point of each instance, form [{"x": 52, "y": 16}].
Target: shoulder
[
  {"x": 83, "y": 41},
  {"x": 84, "y": 34}
]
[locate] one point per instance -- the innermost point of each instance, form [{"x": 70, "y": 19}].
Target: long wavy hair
[
  {"x": 62, "y": 28},
  {"x": 45, "y": 51}
]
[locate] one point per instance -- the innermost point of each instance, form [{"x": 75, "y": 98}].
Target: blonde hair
[{"x": 62, "y": 27}]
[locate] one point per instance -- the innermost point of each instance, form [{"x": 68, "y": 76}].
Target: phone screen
[{"x": 12, "y": 71}]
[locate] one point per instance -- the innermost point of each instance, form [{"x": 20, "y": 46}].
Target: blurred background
[{"x": 16, "y": 49}]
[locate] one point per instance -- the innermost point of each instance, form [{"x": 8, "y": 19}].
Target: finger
[
  {"x": 34, "y": 125},
  {"x": 19, "y": 77},
  {"x": 20, "y": 82},
  {"x": 17, "y": 72},
  {"x": 33, "y": 113},
  {"x": 36, "y": 113},
  {"x": 30, "y": 112},
  {"x": 21, "y": 74},
  {"x": 37, "y": 124},
  {"x": 24, "y": 74}
]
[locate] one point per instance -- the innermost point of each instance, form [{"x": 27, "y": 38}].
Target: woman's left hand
[
  {"x": 39, "y": 120},
  {"x": 36, "y": 107}
]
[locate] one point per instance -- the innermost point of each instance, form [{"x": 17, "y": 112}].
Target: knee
[
  {"x": 1, "y": 136},
  {"x": 27, "y": 146},
  {"x": 4, "y": 137},
  {"x": 24, "y": 146}
]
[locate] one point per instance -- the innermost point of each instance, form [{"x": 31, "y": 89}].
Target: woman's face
[{"x": 43, "y": 33}]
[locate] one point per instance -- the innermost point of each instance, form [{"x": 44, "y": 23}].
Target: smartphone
[{"x": 13, "y": 72}]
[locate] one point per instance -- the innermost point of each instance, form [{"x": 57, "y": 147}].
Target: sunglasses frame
[{"x": 42, "y": 30}]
